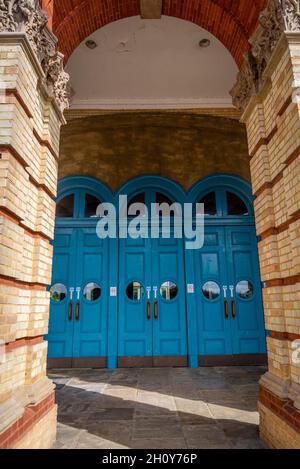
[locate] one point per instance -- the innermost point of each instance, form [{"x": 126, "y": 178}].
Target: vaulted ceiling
[{"x": 231, "y": 21}]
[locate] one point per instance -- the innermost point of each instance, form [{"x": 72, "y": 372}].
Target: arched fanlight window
[
  {"x": 91, "y": 205},
  {"x": 235, "y": 205},
  {"x": 137, "y": 199},
  {"x": 210, "y": 204},
  {"x": 160, "y": 199},
  {"x": 65, "y": 208}
]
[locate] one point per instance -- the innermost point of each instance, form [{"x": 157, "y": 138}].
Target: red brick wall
[{"x": 231, "y": 21}]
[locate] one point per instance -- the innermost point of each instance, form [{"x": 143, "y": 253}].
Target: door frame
[
  {"x": 176, "y": 192},
  {"x": 242, "y": 189}
]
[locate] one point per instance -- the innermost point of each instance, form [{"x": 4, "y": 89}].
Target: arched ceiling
[{"x": 231, "y": 21}]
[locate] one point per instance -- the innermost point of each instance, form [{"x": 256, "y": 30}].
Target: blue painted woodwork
[
  {"x": 151, "y": 262},
  {"x": 190, "y": 324}
]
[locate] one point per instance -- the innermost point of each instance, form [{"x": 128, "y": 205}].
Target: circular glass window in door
[
  {"x": 211, "y": 290},
  {"x": 245, "y": 289},
  {"x": 92, "y": 291},
  {"x": 58, "y": 292},
  {"x": 168, "y": 290},
  {"x": 135, "y": 291}
]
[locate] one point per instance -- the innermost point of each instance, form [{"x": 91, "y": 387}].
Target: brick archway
[{"x": 231, "y": 21}]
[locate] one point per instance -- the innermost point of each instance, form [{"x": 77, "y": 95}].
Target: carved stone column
[
  {"x": 33, "y": 96},
  {"x": 267, "y": 93}
]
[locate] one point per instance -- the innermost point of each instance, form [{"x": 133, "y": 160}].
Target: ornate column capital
[
  {"x": 279, "y": 16},
  {"x": 27, "y": 16}
]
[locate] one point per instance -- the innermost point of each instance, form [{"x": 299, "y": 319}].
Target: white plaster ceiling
[{"x": 151, "y": 64}]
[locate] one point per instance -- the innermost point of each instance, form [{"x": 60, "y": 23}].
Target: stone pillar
[
  {"x": 32, "y": 99},
  {"x": 267, "y": 93}
]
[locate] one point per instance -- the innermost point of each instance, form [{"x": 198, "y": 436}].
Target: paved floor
[{"x": 158, "y": 408}]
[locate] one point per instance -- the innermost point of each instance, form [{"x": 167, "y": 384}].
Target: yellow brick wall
[
  {"x": 29, "y": 145},
  {"x": 273, "y": 129}
]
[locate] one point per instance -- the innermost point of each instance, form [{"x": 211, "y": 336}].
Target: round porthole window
[
  {"x": 244, "y": 289},
  {"x": 92, "y": 291},
  {"x": 58, "y": 292},
  {"x": 168, "y": 290},
  {"x": 211, "y": 290},
  {"x": 135, "y": 291}
]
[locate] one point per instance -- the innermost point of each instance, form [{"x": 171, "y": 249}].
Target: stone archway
[{"x": 35, "y": 96}]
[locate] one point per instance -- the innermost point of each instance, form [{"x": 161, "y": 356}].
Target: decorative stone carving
[
  {"x": 279, "y": 16},
  {"x": 28, "y": 17},
  {"x": 291, "y": 14},
  {"x": 247, "y": 83}
]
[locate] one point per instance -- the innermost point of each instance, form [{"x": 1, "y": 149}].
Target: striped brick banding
[{"x": 31, "y": 416}]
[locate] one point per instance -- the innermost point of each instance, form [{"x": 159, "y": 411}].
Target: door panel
[
  {"x": 152, "y": 262},
  {"x": 80, "y": 261},
  {"x": 135, "y": 330},
  {"x": 169, "y": 329},
  {"x": 90, "y": 329},
  {"x": 248, "y": 334},
  {"x": 210, "y": 271},
  {"x": 60, "y": 336}
]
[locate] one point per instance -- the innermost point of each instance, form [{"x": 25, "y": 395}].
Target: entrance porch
[{"x": 158, "y": 408}]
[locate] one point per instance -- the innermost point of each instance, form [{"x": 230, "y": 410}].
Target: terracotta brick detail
[
  {"x": 20, "y": 284},
  {"x": 283, "y": 408},
  {"x": 32, "y": 414},
  {"x": 284, "y": 335},
  {"x": 286, "y": 281},
  {"x": 231, "y": 22},
  {"x": 24, "y": 341}
]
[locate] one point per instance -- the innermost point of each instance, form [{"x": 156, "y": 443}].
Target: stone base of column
[
  {"x": 42, "y": 435},
  {"x": 275, "y": 432},
  {"x": 35, "y": 428}
]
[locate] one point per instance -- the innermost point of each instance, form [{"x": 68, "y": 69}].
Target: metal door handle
[
  {"x": 148, "y": 310},
  {"x": 70, "y": 310},
  {"x": 77, "y": 313},
  {"x": 233, "y": 313},
  {"x": 155, "y": 309},
  {"x": 226, "y": 309}
]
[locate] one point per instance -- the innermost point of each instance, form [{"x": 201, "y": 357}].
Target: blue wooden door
[
  {"x": 91, "y": 294},
  {"x": 135, "y": 280},
  {"x": 214, "y": 334},
  {"x": 169, "y": 308},
  {"x": 246, "y": 310},
  {"x": 152, "y": 309},
  {"x": 79, "y": 295},
  {"x": 60, "y": 336},
  {"x": 229, "y": 300}
]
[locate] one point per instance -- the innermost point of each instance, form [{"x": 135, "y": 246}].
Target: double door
[
  {"x": 152, "y": 302},
  {"x": 228, "y": 289},
  {"x": 79, "y": 295}
]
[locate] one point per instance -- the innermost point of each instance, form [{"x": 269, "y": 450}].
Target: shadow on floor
[{"x": 158, "y": 408}]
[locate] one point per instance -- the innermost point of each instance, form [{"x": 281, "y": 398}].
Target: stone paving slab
[{"x": 159, "y": 408}]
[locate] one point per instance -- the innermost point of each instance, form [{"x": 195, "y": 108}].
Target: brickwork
[
  {"x": 273, "y": 127},
  {"x": 29, "y": 141},
  {"x": 231, "y": 22},
  {"x": 116, "y": 147}
]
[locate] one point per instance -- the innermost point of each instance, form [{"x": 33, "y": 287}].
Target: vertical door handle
[
  {"x": 77, "y": 310},
  {"x": 233, "y": 313},
  {"x": 155, "y": 309},
  {"x": 226, "y": 309},
  {"x": 148, "y": 310},
  {"x": 70, "y": 310},
  {"x": 77, "y": 307},
  {"x": 226, "y": 314}
]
